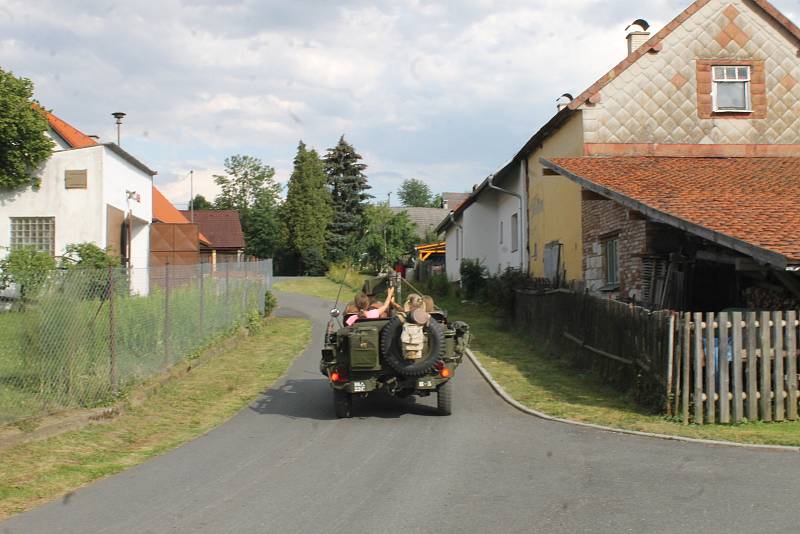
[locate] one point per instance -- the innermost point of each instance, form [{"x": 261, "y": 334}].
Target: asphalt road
[{"x": 285, "y": 464}]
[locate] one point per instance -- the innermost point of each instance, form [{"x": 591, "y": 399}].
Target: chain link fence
[{"x": 89, "y": 334}]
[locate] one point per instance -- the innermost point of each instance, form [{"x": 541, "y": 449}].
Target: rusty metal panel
[
  {"x": 115, "y": 218},
  {"x": 75, "y": 179},
  {"x": 161, "y": 237},
  {"x": 186, "y": 237}
]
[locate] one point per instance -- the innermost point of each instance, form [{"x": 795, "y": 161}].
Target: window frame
[
  {"x": 34, "y": 224},
  {"x": 611, "y": 283},
  {"x": 515, "y": 232},
  {"x": 748, "y": 84}
]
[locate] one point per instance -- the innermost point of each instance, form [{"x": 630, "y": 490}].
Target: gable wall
[{"x": 656, "y": 99}]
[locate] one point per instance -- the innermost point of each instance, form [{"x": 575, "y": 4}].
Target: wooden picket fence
[{"x": 730, "y": 367}]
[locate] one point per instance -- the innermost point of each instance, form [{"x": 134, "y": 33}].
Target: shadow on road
[{"x": 313, "y": 399}]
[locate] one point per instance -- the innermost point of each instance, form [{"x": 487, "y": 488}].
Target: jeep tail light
[
  {"x": 335, "y": 376},
  {"x": 445, "y": 373}
]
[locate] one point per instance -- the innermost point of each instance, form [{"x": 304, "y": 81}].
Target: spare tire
[{"x": 392, "y": 349}]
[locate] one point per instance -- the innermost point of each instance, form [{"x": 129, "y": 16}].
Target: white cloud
[{"x": 446, "y": 90}]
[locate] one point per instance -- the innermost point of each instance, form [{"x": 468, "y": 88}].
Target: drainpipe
[
  {"x": 459, "y": 245},
  {"x": 521, "y": 205}
]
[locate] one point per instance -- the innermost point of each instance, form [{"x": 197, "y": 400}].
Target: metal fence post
[
  {"x": 167, "y": 326},
  {"x": 202, "y": 303},
  {"x": 227, "y": 292},
  {"x": 112, "y": 341}
]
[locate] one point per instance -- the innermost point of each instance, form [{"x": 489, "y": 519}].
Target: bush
[
  {"x": 439, "y": 285},
  {"x": 501, "y": 289},
  {"x": 27, "y": 268},
  {"x": 270, "y": 303},
  {"x": 254, "y": 323},
  {"x": 473, "y": 279}
]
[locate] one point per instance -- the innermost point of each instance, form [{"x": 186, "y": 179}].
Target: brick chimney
[{"x": 638, "y": 34}]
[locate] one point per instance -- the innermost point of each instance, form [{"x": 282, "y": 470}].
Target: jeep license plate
[
  {"x": 425, "y": 384},
  {"x": 359, "y": 387}
]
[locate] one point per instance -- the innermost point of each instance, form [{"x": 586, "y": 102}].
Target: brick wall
[{"x": 602, "y": 219}]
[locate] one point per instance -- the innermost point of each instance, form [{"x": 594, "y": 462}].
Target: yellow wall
[{"x": 554, "y": 202}]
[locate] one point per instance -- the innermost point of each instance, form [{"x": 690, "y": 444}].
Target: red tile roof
[
  {"x": 222, "y": 227},
  {"x": 73, "y": 137},
  {"x": 164, "y": 211},
  {"x": 748, "y": 204}
]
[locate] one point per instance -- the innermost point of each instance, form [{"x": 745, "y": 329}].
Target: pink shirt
[{"x": 369, "y": 314}]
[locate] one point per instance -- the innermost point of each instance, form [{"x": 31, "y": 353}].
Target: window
[
  {"x": 611, "y": 261},
  {"x": 501, "y": 232},
  {"x": 458, "y": 244},
  {"x": 36, "y": 232},
  {"x": 515, "y": 232},
  {"x": 731, "y": 88}
]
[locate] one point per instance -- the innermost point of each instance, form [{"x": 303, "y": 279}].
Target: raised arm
[{"x": 388, "y": 302}]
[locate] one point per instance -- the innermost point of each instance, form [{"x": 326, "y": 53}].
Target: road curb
[{"x": 503, "y": 394}]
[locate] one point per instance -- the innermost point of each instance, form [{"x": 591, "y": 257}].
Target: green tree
[
  {"x": 249, "y": 187},
  {"x": 23, "y": 143},
  {"x": 389, "y": 236},
  {"x": 27, "y": 268},
  {"x": 245, "y": 180},
  {"x": 415, "y": 193},
  {"x": 200, "y": 203},
  {"x": 348, "y": 186},
  {"x": 307, "y": 212}
]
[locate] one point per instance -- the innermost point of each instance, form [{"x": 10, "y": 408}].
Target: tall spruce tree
[
  {"x": 348, "y": 186},
  {"x": 307, "y": 212}
]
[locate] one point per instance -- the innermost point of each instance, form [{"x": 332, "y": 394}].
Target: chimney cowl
[{"x": 564, "y": 100}]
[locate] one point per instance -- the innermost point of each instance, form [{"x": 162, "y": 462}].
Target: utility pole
[{"x": 191, "y": 193}]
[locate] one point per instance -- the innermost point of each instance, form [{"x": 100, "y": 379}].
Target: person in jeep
[{"x": 364, "y": 311}]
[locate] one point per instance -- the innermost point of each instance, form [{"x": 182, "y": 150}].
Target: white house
[
  {"x": 89, "y": 192},
  {"x": 489, "y": 226}
]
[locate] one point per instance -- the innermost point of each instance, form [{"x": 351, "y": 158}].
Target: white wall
[
  {"x": 120, "y": 177},
  {"x": 480, "y": 223},
  {"x": 80, "y": 214}
]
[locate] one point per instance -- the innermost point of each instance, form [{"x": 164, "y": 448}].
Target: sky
[{"x": 446, "y": 92}]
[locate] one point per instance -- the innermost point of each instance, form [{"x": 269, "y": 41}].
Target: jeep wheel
[
  {"x": 343, "y": 404},
  {"x": 444, "y": 398},
  {"x": 392, "y": 350}
]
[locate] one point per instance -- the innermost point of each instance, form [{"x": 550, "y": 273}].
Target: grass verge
[
  {"x": 321, "y": 286},
  {"x": 540, "y": 379},
  {"x": 178, "y": 412}
]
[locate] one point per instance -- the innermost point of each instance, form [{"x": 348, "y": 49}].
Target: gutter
[{"x": 491, "y": 185}]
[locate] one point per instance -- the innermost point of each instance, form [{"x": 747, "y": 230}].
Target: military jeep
[{"x": 380, "y": 355}]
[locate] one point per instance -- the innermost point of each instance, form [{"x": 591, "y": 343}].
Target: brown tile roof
[
  {"x": 71, "y": 135},
  {"x": 223, "y": 227},
  {"x": 748, "y": 204},
  {"x": 164, "y": 211}
]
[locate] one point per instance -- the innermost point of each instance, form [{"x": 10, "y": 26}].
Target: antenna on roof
[{"x": 118, "y": 115}]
